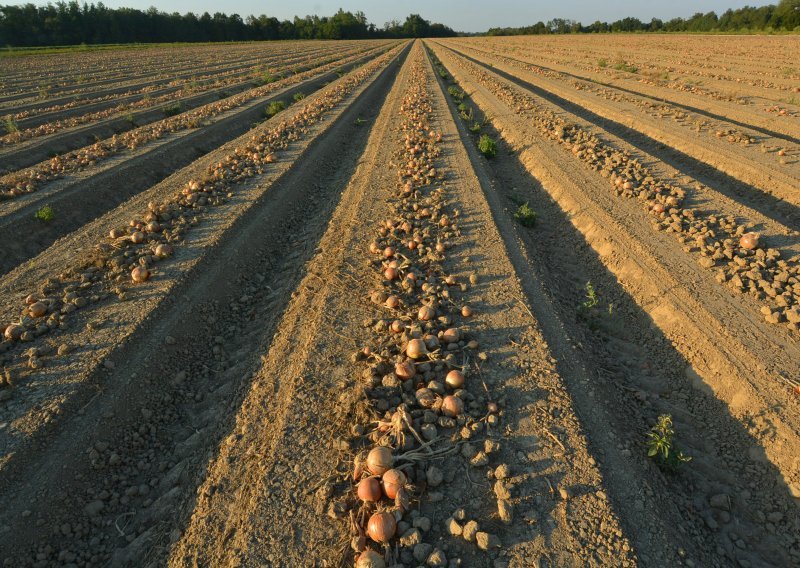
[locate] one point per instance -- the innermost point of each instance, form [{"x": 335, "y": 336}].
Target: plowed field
[{"x": 379, "y": 303}]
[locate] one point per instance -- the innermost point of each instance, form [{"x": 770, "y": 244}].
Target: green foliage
[
  {"x": 298, "y": 97},
  {"x": 592, "y": 300},
  {"x": 264, "y": 78},
  {"x": 359, "y": 121},
  {"x": 487, "y": 146},
  {"x": 45, "y": 214},
  {"x": 603, "y": 62},
  {"x": 625, "y": 66},
  {"x": 465, "y": 111},
  {"x": 661, "y": 445},
  {"x": 10, "y": 124},
  {"x": 274, "y": 108},
  {"x": 456, "y": 93},
  {"x": 475, "y": 127},
  {"x": 172, "y": 109},
  {"x": 525, "y": 215}
]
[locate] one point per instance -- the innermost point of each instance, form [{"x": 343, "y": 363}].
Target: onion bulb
[
  {"x": 405, "y": 370},
  {"x": 416, "y": 349},
  {"x": 388, "y": 252},
  {"x": 381, "y": 527},
  {"x": 116, "y": 233},
  {"x": 140, "y": 274},
  {"x": 379, "y": 460},
  {"x": 658, "y": 208},
  {"x": 398, "y": 326},
  {"x": 452, "y": 406},
  {"x": 370, "y": 559},
  {"x": 13, "y": 332},
  {"x": 426, "y": 397},
  {"x": 369, "y": 489},
  {"x": 426, "y": 313},
  {"x": 393, "y": 480},
  {"x": 455, "y": 379},
  {"x": 390, "y": 273},
  {"x": 164, "y": 250},
  {"x": 137, "y": 237},
  {"x": 466, "y": 311},
  {"x": 451, "y": 335},
  {"x": 392, "y": 302},
  {"x": 37, "y": 309},
  {"x": 749, "y": 241}
]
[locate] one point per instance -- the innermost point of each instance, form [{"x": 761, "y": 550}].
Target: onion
[
  {"x": 163, "y": 250},
  {"x": 426, "y": 313},
  {"x": 116, "y": 233},
  {"x": 405, "y": 370},
  {"x": 30, "y": 299},
  {"x": 416, "y": 349},
  {"x": 426, "y": 397},
  {"x": 37, "y": 309},
  {"x": 393, "y": 480},
  {"x": 450, "y": 280},
  {"x": 455, "y": 379},
  {"x": 452, "y": 406},
  {"x": 390, "y": 273},
  {"x": 381, "y": 527},
  {"x": 439, "y": 247},
  {"x": 379, "y": 460},
  {"x": 749, "y": 241},
  {"x": 493, "y": 407},
  {"x": 397, "y": 326},
  {"x": 388, "y": 252},
  {"x": 369, "y": 489},
  {"x": 140, "y": 274},
  {"x": 466, "y": 311},
  {"x": 451, "y": 335},
  {"x": 13, "y": 332},
  {"x": 392, "y": 302},
  {"x": 153, "y": 227},
  {"x": 658, "y": 208},
  {"x": 374, "y": 248},
  {"x": 137, "y": 237},
  {"x": 370, "y": 559}
]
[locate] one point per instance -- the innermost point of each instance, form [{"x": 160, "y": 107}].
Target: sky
[{"x": 461, "y": 15}]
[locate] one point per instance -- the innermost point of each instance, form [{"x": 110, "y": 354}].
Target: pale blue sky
[{"x": 461, "y": 15}]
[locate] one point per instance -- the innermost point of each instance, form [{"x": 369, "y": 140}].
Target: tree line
[
  {"x": 785, "y": 16},
  {"x": 72, "y": 23}
]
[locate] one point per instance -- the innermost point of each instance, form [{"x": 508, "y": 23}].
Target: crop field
[{"x": 484, "y": 302}]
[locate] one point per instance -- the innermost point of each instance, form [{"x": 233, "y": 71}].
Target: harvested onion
[
  {"x": 452, "y": 406},
  {"x": 393, "y": 481},
  {"x": 455, "y": 379},
  {"x": 426, "y": 313},
  {"x": 451, "y": 335},
  {"x": 379, "y": 460},
  {"x": 140, "y": 274},
  {"x": 137, "y": 237},
  {"x": 13, "y": 332},
  {"x": 37, "y": 309},
  {"x": 381, "y": 527},
  {"x": 416, "y": 349},
  {"x": 405, "y": 370},
  {"x": 369, "y": 489},
  {"x": 749, "y": 241}
]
